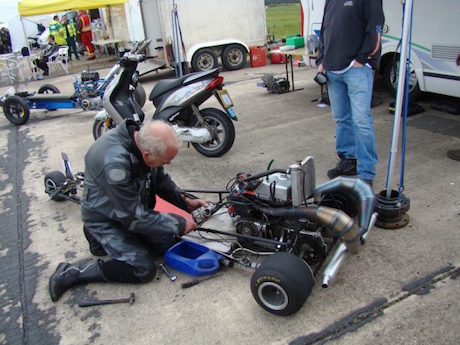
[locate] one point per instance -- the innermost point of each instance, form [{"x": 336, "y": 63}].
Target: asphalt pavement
[{"x": 401, "y": 288}]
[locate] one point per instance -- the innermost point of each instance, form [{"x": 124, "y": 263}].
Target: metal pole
[{"x": 400, "y": 93}]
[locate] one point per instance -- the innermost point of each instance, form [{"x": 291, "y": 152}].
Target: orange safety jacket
[{"x": 85, "y": 23}]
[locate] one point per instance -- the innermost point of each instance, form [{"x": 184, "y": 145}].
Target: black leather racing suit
[{"x": 118, "y": 198}]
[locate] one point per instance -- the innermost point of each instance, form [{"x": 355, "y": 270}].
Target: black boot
[
  {"x": 68, "y": 275},
  {"x": 94, "y": 246},
  {"x": 345, "y": 167}
]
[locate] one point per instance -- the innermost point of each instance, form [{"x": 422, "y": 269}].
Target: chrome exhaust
[
  {"x": 339, "y": 255},
  {"x": 192, "y": 134}
]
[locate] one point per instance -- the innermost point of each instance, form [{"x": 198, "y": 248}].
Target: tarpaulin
[{"x": 36, "y": 7}]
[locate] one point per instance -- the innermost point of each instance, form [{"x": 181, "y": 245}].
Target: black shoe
[
  {"x": 94, "y": 246},
  {"x": 67, "y": 276},
  {"x": 454, "y": 154},
  {"x": 345, "y": 167}
]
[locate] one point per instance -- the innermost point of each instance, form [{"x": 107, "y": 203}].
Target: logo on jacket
[{"x": 348, "y": 3}]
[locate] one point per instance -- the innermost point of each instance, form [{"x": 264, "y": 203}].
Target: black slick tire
[
  {"x": 53, "y": 180},
  {"x": 16, "y": 110}
]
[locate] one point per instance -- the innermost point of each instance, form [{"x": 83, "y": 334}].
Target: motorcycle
[{"x": 210, "y": 130}]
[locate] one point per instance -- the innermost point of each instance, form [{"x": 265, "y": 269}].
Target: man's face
[
  {"x": 64, "y": 19},
  {"x": 153, "y": 162}
]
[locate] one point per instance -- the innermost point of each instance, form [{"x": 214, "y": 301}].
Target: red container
[
  {"x": 258, "y": 56},
  {"x": 277, "y": 58}
]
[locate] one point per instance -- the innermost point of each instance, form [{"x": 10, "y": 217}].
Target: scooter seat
[
  {"x": 51, "y": 97},
  {"x": 164, "y": 86}
]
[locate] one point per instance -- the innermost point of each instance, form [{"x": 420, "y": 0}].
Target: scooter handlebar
[{"x": 144, "y": 45}]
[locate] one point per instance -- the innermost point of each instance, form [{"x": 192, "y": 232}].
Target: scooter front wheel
[
  {"x": 222, "y": 132},
  {"x": 101, "y": 127}
]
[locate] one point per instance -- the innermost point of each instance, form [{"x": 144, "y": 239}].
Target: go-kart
[
  {"x": 87, "y": 95},
  {"x": 282, "y": 216}
]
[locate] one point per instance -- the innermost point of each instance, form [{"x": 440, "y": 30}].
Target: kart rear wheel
[
  {"x": 282, "y": 284},
  {"x": 53, "y": 180},
  {"x": 48, "y": 88},
  {"x": 223, "y": 133},
  {"x": 16, "y": 110},
  {"x": 101, "y": 127}
]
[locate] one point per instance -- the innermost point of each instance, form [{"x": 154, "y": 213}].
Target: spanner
[{"x": 165, "y": 270}]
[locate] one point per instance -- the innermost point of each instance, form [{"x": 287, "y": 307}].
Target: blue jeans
[{"x": 350, "y": 95}]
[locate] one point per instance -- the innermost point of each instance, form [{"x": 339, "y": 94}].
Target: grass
[{"x": 283, "y": 20}]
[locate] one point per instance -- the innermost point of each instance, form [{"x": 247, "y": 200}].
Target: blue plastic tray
[{"x": 192, "y": 258}]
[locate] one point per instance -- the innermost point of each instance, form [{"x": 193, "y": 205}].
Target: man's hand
[
  {"x": 320, "y": 68},
  {"x": 190, "y": 226},
  {"x": 193, "y": 204},
  {"x": 357, "y": 64}
]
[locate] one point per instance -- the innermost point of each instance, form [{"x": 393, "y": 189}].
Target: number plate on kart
[{"x": 225, "y": 98}]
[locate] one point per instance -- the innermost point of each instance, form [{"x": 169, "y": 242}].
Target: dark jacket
[
  {"x": 351, "y": 30},
  {"x": 120, "y": 188},
  {"x": 50, "y": 50}
]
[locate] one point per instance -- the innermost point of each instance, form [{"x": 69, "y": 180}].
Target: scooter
[
  {"x": 210, "y": 131},
  {"x": 88, "y": 93}
]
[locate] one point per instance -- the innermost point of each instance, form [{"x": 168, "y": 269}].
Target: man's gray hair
[{"x": 154, "y": 137}]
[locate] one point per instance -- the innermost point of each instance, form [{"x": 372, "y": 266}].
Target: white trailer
[
  {"x": 210, "y": 30},
  {"x": 435, "y": 43}
]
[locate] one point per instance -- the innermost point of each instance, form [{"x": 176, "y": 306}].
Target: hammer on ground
[{"x": 130, "y": 300}]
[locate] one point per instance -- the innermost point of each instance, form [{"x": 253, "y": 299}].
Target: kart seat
[{"x": 51, "y": 97}]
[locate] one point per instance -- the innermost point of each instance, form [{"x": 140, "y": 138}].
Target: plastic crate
[{"x": 297, "y": 41}]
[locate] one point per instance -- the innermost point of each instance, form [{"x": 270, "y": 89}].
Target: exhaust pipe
[
  {"x": 333, "y": 219},
  {"x": 192, "y": 134},
  {"x": 358, "y": 188},
  {"x": 339, "y": 255}
]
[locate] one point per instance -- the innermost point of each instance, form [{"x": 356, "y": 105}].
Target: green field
[{"x": 283, "y": 20}]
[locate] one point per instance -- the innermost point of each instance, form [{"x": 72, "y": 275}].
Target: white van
[{"x": 435, "y": 43}]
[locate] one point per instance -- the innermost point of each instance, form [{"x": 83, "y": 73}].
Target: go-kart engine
[{"x": 91, "y": 103}]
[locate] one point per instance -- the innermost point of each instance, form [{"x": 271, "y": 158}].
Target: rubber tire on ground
[
  {"x": 21, "y": 106},
  {"x": 48, "y": 87},
  {"x": 204, "y": 60},
  {"x": 216, "y": 117},
  {"x": 282, "y": 275},
  {"x": 414, "y": 88},
  {"x": 54, "y": 179},
  {"x": 99, "y": 128},
  {"x": 139, "y": 95},
  {"x": 229, "y": 51}
]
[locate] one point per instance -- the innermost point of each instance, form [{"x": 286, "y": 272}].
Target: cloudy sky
[{"x": 8, "y": 9}]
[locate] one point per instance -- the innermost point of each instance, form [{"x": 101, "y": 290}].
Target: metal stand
[{"x": 392, "y": 205}]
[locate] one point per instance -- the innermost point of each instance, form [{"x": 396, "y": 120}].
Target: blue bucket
[{"x": 192, "y": 258}]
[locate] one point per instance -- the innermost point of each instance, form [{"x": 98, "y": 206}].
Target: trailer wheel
[
  {"x": 139, "y": 95},
  {"x": 234, "y": 57},
  {"x": 16, "y": 110},
  {"x": 48, "y": 88},
  {"x": 282, "y": 284},
  {"x": 390, "y": 75},
  {"x": 53, "y": 180},
  {"x": 204, "y": 60}
]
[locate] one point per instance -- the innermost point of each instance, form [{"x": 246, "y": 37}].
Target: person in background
[
  {"x": 83, "y": 22},
  {"x": 350, "y": 40},
  {"x": 56, "y": 30},
  {"x": 455, "y": 154},
  {"x": 123, "y": 174},
  {"x": 6, "y": 40},
  {"x": 70, "y": 33},
  {"x": 42, "y": 61}
]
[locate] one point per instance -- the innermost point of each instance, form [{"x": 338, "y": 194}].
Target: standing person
[
  {"x": 350, "y": 42},
  {"x": 70, "y": 34},
  {"x": 86, "y": 35},
  {"x": 56, "y": 30},
  {"x": 5, "y": 40},
  {"x": 124, "y": 172}
]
